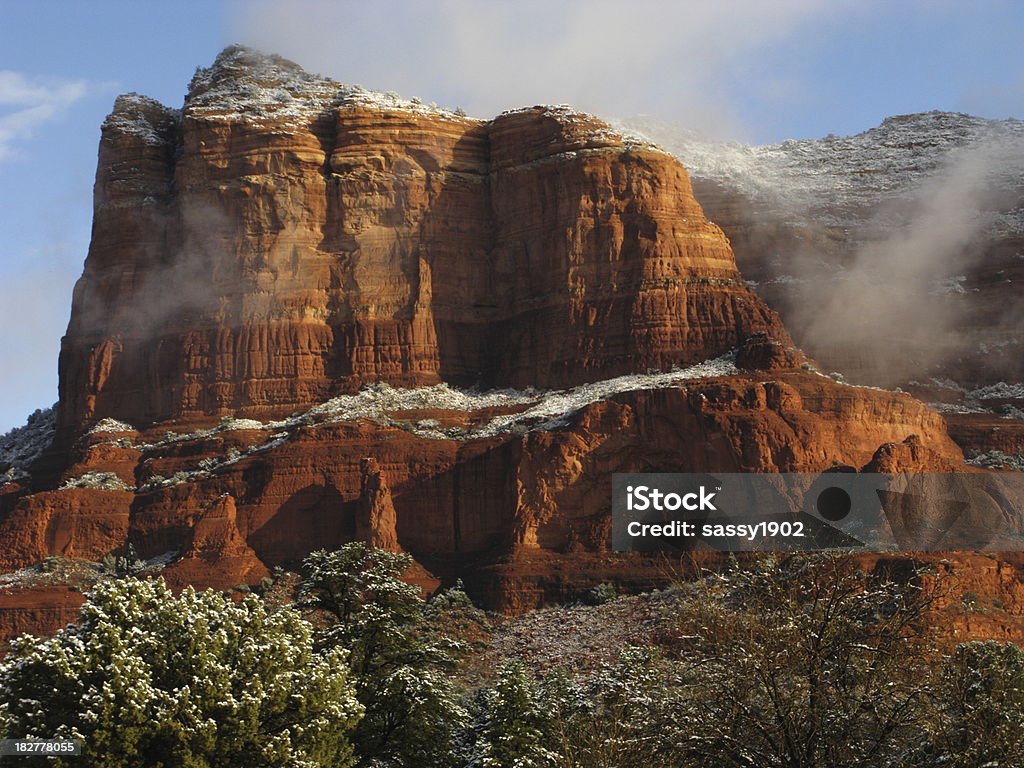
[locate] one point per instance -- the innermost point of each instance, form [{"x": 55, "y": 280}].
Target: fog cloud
[{"x": 897, "y": 308}]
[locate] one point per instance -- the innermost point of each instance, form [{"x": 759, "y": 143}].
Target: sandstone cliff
[
  {"x": 292, "y": 286},
  {"x": 284, "y": 238}
]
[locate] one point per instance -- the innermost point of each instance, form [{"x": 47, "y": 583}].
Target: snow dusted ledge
[
  {"x": 547, "y": 409},
  {"x": 541, "y": 410}
]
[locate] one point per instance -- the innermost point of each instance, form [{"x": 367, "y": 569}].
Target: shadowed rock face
[{"x": 284, "y": 238}]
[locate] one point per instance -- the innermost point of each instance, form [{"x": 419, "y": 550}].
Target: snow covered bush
[
  {"x": 515, "y": 727},
  {"x": 105, "y": 426},
  {"x": 981, "y": 707},
  {"x": 146, "y": 678}
]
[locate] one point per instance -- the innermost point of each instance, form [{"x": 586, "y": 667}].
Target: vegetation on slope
[{"x": 796, "y": 662}]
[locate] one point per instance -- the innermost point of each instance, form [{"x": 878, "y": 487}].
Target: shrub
[
  {"x": 146, "y": 678},
  {"x": 980, "y": 714}
]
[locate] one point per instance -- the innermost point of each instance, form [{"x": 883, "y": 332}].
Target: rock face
[
  {"x": 514, "y": 498},
  {"x": 217, "y": 553},
  {"x": 284, "y": 238},
  {"x": 291, "y": 283}
]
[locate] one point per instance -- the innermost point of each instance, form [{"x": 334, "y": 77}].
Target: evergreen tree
[
  {"x": 400, "y": 665},
  {"x": 195, "y": 681},
  {"x": 514, "y": 731}
]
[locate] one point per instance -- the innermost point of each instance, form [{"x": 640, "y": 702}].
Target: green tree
[
  {"x": 611, "y": 718},
  {"x": 399, "y": 663},
  {"x": 195, "y": 681},
  {"x": 514, "y": 729}
]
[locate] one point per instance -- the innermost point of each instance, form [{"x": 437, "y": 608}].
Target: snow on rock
[
  {"x": 548, "y": 409},
  {"x": 244, "y": 85},
  {"x": 997, "y": 460},
  {"x": 835, "y": 179},
  {"x": 979, "y": 401},
  {"x": 156, "y": 482},
  {"x": 230, "y": 424},
  {"x": 104, "y": 426},
  {"x": 142, "y": 117},
  {"x": 1000, "y": 391},
  {"x": 554, "y": 408},
  {"x": 542, "y": 410},
  {"x": 603, "y": 132},
  {"x": 103, "y": 481},
  {"x": 20, "y": 447},
  {"x": 957, "y": 408}
]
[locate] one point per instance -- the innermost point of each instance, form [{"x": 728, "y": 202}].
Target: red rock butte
[
  {"x": 305, "y": 276},
  {"x": 283, "y": 239}
]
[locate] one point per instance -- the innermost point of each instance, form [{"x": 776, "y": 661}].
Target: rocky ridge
[
  {"x": 807, "y": 217},
  {"x": 837, "y": 181}
]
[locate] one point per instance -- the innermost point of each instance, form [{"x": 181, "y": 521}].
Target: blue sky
[{"x": 756, "y": 70}]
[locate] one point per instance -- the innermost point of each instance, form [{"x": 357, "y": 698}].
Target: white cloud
[
  {"x": 674, "y": 59},
  {"x": 27, "y": 102}
]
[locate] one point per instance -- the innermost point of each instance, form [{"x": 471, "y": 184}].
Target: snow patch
[
  {"x": 957, "y": 408},
  {"x": 549, "y": 409},
  {"x": 104, "y": 481},
  {"x": 997, "y": 460},
  {"x": 555, "y": 408},
  {"x": 569, "y": 115},
  {"x": 156, "y": 482},
  {"x": 142, "y": 117},
  {"x": 1000, "y": 391},
  {"x": 230, "y": 424},
  {"x": 103, "y": 426}
]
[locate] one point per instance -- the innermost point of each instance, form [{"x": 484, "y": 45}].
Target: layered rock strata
[
  {"x": 291, "y": 286},
  {"x": 284, "y": 238}
]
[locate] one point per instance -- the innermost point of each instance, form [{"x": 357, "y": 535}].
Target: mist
[
  {"x": 186, "y": 283},
  {"x": 678, "y": 60},
  {"x": 895, "y": 310}
]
